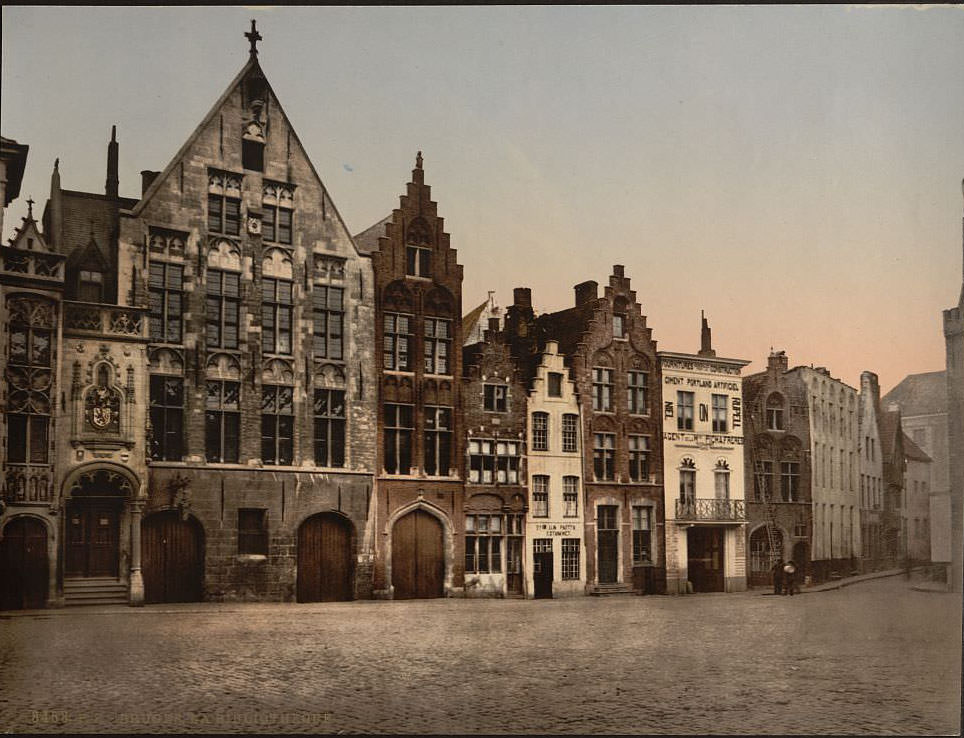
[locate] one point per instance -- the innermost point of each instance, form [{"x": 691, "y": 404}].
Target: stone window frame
[
  {"x": 329, "y": 427},
  {"x": 398, "y": 435},
  {"x": 480, "y": 534}
]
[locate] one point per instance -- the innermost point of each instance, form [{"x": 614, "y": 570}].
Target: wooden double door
[
  {"x": 93, "y": 538},
  {"x": 325, "y": 571},
  {"x": 704, "y": 550},
  {"x": 172, "y": 558},
  {"x": 23, "y": 565},
  {"x": 418, "y": 563}
]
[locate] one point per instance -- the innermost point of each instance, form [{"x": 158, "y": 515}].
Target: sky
[{"x": 795, "y": 172}]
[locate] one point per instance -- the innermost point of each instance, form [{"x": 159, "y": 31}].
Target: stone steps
[
  {"x": 605, "y": 590},
  {"x": 95, "y": 591}
]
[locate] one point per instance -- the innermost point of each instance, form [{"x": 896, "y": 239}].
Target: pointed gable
[{"x": 246, "y": 136}]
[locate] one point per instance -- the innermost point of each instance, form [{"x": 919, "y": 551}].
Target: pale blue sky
[{"x": 794, "y": 171}]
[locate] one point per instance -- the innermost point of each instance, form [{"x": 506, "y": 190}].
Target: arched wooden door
[
  {"x": 418, "y": 565},
  {"x": 325, "y": 569},
  {"x": 172, "y": 558},
  {"x": 23, "y": 565}
]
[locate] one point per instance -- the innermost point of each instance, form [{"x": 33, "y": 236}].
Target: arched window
[{"x": 775, "y": 418}]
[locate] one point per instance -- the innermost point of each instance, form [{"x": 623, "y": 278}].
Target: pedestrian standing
[
  {"x": 778, "y": 577},
  {"x": 789, "y": 577}
]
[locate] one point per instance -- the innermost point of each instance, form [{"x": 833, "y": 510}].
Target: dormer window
[{"x": 90, "y": 286}]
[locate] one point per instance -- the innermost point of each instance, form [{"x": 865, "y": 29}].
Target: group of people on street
[{"x": 785, "y": 577}]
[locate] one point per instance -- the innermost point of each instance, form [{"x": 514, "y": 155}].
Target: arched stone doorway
[
  {"x": 325, "y": 561},
  {"x": 92, "y": 525},
  {"x": 418, "y": 560},
  {"x": 23, "y": 564},
  {"x": 172, "y": 558}
]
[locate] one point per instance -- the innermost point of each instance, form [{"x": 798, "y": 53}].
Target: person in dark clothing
[
  {"x": 789, "y": 577},
  {"x": 778, "y": 577}
]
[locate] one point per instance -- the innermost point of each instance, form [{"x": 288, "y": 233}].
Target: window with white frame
[
  {"x": 570, "y": 432},
  {"x": 687, "y": 480},
  {"x": 570, "y": 497},
  {"x": 774, "y": 409},
  {"x": 483, "y": 544},
  {"x": 396, "y": 350},
  {"x": 540, "y": 431},
  {"x": 438, "y": 440},
  {"x": 494, "y": 461},
  {"x": 438, "y": 346},
  {"x": 540, "y": 496},
  {"x": 570, "y": 558}
]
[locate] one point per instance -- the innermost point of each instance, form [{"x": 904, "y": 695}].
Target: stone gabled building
[
  {"x": 871, "y": 472},
  {"x": 217, "y": 437},
  {"x": 418, "y": 512},
  {"x": 611, "y": 356},
  {"x": 494, "y": 418}
]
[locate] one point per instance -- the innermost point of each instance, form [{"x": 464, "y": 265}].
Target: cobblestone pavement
[{"x": 873, "y": 658}]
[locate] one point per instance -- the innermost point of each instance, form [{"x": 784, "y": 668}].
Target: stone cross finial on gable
[
  {"x": 30, "y": 208},
  {"x": 253, "y": 36}
]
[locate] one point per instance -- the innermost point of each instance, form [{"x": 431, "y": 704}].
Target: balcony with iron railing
[
  {"x": 27, "y": 483},
  {"x": 86, "y": 318},
  {"x": 711, "y": 510},
  {"x": 33, "y": 264}
]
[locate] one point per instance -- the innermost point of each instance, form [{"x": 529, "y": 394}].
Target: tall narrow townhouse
[
  {"x": 871, "y": 473},
  {"x": 915, "y": 512},
  {"x": 555, "y": 545},
  {"x": 260, "y": 375},
  {"x": 834, "y": 448},
  {"x": 31, "y": 316},
  {"x": 418, "y": 516},
  {"x": 778, "y": 469},
  {"x": 702, "y": 399},
  {"x": 494, "y": 415},
  {"x": 612, "y": 360}
]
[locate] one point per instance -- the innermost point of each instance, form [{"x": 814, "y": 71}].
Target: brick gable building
[{"x": 419, "y": 544}]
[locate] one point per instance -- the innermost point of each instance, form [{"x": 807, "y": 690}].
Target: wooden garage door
[
  {"x": 324, "y": 559},
  {"x": 172, "y": 558},
  {"x": 418, "y": 567},
  {"x": 23, "y": 565}
]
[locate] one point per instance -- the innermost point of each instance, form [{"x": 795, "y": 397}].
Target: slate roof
[
  {"x": 472, "y": 319},
  {"x": 889, "y": 425},
  {"x": 86, "y": 214},
  {"x": 919, "y": 394},
  {"x": 367, "y": 241}
]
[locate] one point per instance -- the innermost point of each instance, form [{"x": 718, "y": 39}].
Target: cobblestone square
[{"x": 874, "y": 658}]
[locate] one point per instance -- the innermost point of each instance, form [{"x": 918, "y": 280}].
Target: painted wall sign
[
  {"x": 556, "y": 529},
  {"x": 711, "y": 439}
]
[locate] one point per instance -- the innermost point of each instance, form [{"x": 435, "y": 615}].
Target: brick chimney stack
[
  {"x": 778, "y": 362},
  {"x": 586, "y": 292},
  {"x": 706, "y": 341}
]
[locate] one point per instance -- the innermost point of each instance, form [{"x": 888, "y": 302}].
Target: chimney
[
  {"x": 777, "y": 361},
  {"x": 706, "y": 347},
  {"x": 112, "y": 153},
  {"x": 147, "y": 179},
  {"x": 586, "y": 291},
  {"x": 870, "y": 385},
  {"x": 522, "y": 297},
  {"x": 618, "y": 270}
]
